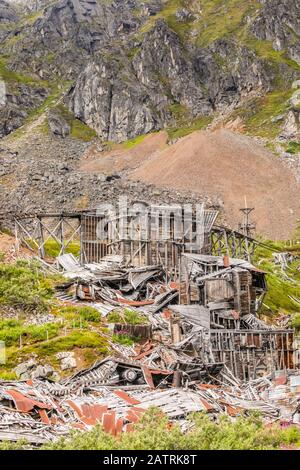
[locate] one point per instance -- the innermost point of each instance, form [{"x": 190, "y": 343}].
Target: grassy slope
[
  {"x": 26, "y": 290},
  {"x": 216, "y": 19},
  {"x": 79, "y": 130},
  {"x": 281, "y": 285}
]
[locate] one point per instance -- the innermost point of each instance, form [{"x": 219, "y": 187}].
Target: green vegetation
[
  {"x": 129, "y": 317},
  {"x": 293, "y": 147},
  {"x": 210, "y": 21},
  {"x": 7, "y": 375},
  {"x": 23, "y": 286},
  {"x": 79, "y": 130},
  {"x": 129, "y": 144},
  {"x": 31, "y": 18},
  {"x": 196, "y": 125},
  {"x": 125, "y": 339},
  {"x": 168, "y": 14},
  {"x": 281, "y": 285},
  {"x": 220, "y": 19},
  {"x": 132, "y": 52},
  {"x": 263, "y": 116},
  {"x": 52, "y": 248},
  {"x": 295, "y": 323},
  {"x": 72, "y": 312},
  {"x": 15, "y": 77},
  {"x": 154, "y": 433},
  {"x": 264, "y": 50},
  {"x": 75, "y": 339},
  {"x": 88, "y": 345},
  {"x": 217, "y": 19},
  {"x": 11, "y": 330},
  {"x": 260, "y": 115}
]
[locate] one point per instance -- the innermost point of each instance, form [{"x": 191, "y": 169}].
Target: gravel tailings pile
[{"x": 230, "y": 166}]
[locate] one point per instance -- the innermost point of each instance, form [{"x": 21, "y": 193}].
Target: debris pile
[
  {"x": 203, "y": 349},
  {"x": 204, "y": 318},
  {"x": 115, "y": 284},
  {"x": 40, "y": 411}
]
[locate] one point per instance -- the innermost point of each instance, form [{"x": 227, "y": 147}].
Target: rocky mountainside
[
  {"x": 111, "y": 71},
  {"x": 129, "y": 67}
]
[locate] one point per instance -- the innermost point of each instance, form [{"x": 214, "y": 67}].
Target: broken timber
[{"x": 149, "y": 247}]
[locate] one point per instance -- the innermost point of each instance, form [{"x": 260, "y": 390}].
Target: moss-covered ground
[{"x": 28, "y": 292}]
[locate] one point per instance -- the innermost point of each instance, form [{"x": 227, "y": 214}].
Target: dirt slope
[
  {"x": 122, "y": 158},
  {"x": 231, "y": 166},
  {"x": 8, "y": 251}
]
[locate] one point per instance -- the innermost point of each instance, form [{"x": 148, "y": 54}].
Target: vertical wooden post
[
  {"x": 61, "y": 235},
  {"x": 17, "y": 243},
  {"x": 41, "y": 238}
]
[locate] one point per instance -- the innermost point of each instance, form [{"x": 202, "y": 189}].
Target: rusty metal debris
[
  {"x": 40, "y": 411},
  {"x": 203, "y": 349},
  {"x": 205, "y": 318}
]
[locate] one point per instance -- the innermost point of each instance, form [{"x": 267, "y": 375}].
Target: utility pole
[{"x": 247, "y": 227}]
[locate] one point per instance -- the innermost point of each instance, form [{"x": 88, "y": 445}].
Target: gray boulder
[{"x": 58, "y": 124}]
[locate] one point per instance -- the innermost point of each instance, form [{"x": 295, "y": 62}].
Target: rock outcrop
[
  {"x": 279, "y": 22},
  {"x": 132, "y": 67},
  {"x": 16, "y": 102},
  {"x": 58, "y": 124},
  {"x": 124, "y": 98}
]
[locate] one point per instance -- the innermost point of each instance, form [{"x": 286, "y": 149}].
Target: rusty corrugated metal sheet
[{"x": 25, "y": 404}]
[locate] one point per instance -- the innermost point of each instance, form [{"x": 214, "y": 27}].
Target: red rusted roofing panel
[
  {"x": 109, "y": 422},
  {"x": 143, "y": 354},
  {"x": 207, "y": 405},
  {"x": 160, "y": 372},
  {"x": 207, "y": 386},
  {"x": 80, "y": 426},
  {"x": 148, "y": 376},
  {"x": 128, "y": 427},
  {"x": 44, "y": 417},
  {"x": 135, "y": 303},
  {"x": 124, "y": 396},
  {"x": 281, "y": 380},
  {"x": 98, "y": 411},
  {"x": 232, "y": 410},
  {"x": 235, "y": 315},
  {"x": 119, "y": 426},
  {"x": 133, "y": 415},
  {"x": 25, "y": 404},
  {"x": 75, "y": 407}
]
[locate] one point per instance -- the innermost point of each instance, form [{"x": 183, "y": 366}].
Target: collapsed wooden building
[
  {"x": 224, "y": 295},
  {"x": 145, "y": 235},
  {"x": 215, "y": 288}
]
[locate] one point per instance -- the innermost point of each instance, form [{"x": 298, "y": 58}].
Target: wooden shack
[{"x": 222, "y": 284}]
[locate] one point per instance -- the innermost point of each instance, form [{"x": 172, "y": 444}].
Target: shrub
[
  {"x": 154, "y": 433},
  {"x": 127, "y": 316},
  {"x": 11, "y": 330},
  {"x": 87, "y": 314},
  {"x": 295, "y": 322},
  {"x": 23, "y": 286},
  {"x": 79, "y": 339},
  {"x": 124, "y": 339}
]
